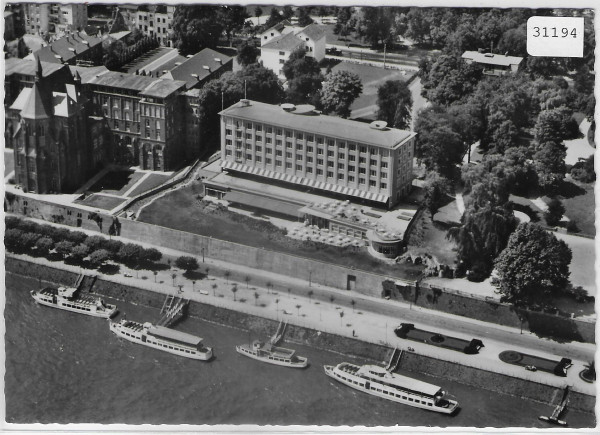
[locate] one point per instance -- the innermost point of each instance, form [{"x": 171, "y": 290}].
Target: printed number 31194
[
  {"x": 555, "y": 36},
  {"x": 553, "y": 32}
]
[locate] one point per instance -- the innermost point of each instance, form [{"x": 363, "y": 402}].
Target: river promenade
[{"x": 370, "y": 319}]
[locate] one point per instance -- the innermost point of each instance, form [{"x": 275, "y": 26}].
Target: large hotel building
[{"x": 297, "y": 144}]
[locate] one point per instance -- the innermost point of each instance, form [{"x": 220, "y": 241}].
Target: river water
[{"x": 65, "y": 367}]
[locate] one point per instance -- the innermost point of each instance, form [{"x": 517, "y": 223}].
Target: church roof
[{"x": 35, "y": 106}]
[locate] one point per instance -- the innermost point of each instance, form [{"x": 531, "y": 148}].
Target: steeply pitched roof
[
  {"x": 278, "y": 27},
  {"x": 66, "y": 48},
  {"x": 149, "y": 86},
  {"x": 196, "y": 65},
  {"x": 309, "y": 121},
  {"x": 287, "y": 42},
  {"x": 28, "y": 67},
  {"x": 36, "y": 106},
  {"x": 313, "y": 31}
]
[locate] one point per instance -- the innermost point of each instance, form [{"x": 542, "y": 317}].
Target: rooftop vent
[
  {"x": 378, "y": 125},
  {"x": 244, "y": 102},
  {"x": 288, "y": 107},
  {"x": 177, "y": 63},
  {"x": 196, "y": 76},
  {"x": 489, "y": 55},
  {"x": 189, "y": 56},
  {"x": 218, "y": 60},
  {"x": 206, "y": 67}
]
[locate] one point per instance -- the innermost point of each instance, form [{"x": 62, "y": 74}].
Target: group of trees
[
  {"x": 117, "y": 53},
  {"x": 23, "y": 236}
]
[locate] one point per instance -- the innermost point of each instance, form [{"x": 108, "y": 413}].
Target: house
[
  {"x": 493, "y": 64},
  {"x": 280, "y": 41}
]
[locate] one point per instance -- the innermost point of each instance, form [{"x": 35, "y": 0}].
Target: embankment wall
[{"x": 326, "y": 341}]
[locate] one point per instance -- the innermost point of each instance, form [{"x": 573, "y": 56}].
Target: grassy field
[
  {"x": 117, "y": 182},
  {"x": 101, "y": 201},
  {"x": 195, "y": 217},
  {"x": 151, "y": 182},
  {"x": 581, "y": 208}
]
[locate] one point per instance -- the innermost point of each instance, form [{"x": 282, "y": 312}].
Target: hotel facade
[{"x": 298, "y": 145}]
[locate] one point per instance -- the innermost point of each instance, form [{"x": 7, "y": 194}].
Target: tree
[
  {"x": 584, "y": 171},
  {"x": 247, "y": 53},
  {"x": 448, "y": 78},
  {"x": 234, "y": 290},
  {"x": 95, "y": 242},
  {"x": 232, "y": 19},
  {"x": 374, "y": 26},
  {"x": 534, "y": 265},
  {"x": 555, "y": 212},
  {"x": 269, "y": 285},
  {"x": 13, "y": 238},
  {"x": 129, "y": 254},
  {"x": 298, "y": 308},
  {"x": 556, "y": 125},
  {"x": 394, "y": 101},
  {"x": 345, "y": 22},
  {"x": 43, "y": 245},
  {"x": 187, "y": 263},
  {"x": 247, "y": 279},
  {"x": 549, "y": 162},
  {"x": 256, "y": 298},
  {"x": 353, "y": 303},
  {"x": 287, "y": 12},
  {"x": 98, "y": 257},
  {"x": 341, "y": 317},
  {"x": 64, "y": 248},
  {"x": 339, "y": 90},
  {"x": 304, "y": 78},
  {"x": 274, "y": 18},
  {"x": 304, "y": 18},
  {"x": 196, "y": 27},
  {"x": 227, "y": 274},
  {"x": 28, "y": 240},
  {"x": 150, "y": 255},
  {"x": 79, "y": 252},
  {"x": 214, "y": 287},
  {"x": 310, "y": 293},
  {"x": 257, "y": 13},
  {"x": 436, "y": 191}
]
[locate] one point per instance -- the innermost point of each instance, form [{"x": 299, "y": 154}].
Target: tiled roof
[
  {"x": 325, "y": 125},
  {"x": 287, "y": 42},
  {"x": 196, "y": 64},
  {"x": 36, "y": 107},
  {"x": 144, "y": 85},
  {"x": 87, "y": 73},
  {"x": 27, "y": 67},
  {"x": 492, "y": 59},
  {"x": 64, "y": 47},
  {"x": 313, "y": 31}
]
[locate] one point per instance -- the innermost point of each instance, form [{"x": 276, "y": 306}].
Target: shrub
[
  {"x": 98, "y": 257},
  {"x": 555, "y": 212},
  {"x": 187, "y": 263},
  {"x": 13, "y": 238},
  {"x": 572, "y": 227},
  {"x": 77, "y": 237},
  {"x": 64, "y": 248},
  {"x": 44, "y": 245}
]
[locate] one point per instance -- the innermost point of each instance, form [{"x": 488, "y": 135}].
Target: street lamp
[
  {"x": 310, "y": 278},
  {"x": 203, "y": 254}
]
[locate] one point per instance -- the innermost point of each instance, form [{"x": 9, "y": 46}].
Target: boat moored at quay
[
  {"x": 272, "y": 354},
  {"x": 66, "y": 298},
  {"x": 380, "y": 382},
  {"x": 166, "y": 339}
]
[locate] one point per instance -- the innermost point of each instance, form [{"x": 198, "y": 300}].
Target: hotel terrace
[{"x": 326, "y": 154}]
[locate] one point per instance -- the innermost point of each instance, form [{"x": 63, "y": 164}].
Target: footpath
[{"x": 344, "y": 313}]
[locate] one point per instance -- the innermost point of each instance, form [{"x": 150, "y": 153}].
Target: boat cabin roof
[
  {"x": 183, "y": 337},
  {"x": 280, "y": 352},
  {"x": 399, "y": 380},
  {"x": 66, "y": 292}
]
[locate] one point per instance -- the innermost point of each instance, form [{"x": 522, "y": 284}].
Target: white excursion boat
[
  {"x": 270, "y": 353},
  {"x": 65, "y": 298},
  {"x": 159, "y": 337},
  {"x": 380, "y": 382}
]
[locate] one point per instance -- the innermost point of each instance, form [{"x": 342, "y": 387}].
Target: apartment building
[
  {"x": 298, "y": 145},
  {"x": 145, "y": 115},
  {"x": 155, "y": 20},
  {"x": 54, "y": 18}
]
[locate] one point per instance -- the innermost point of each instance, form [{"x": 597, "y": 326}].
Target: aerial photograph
[{"x": 314, "y": 215}]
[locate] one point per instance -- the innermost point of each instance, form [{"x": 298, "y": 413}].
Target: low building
[
  {"x": 200, "y": 68},
  {"x": 76, "y": 48},
  {"x": 493, "y": 64},
  {"x": 296, "y": 145},
  {"x": 280, "y": 41}
]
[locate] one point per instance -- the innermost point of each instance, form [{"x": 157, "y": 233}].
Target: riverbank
[{"x": 473, "y": 376}]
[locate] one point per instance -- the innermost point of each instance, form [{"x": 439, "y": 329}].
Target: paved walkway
[
  {"x": 579, "y": 148},
  {"x": 370, "y": 319}
]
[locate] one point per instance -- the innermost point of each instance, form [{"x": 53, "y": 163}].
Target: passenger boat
[
  {"x": 380, "y": 382},
  {"x": 66, "y": 298},
  {"x": 166, "y": 339},
  {"x": 272, "y": 354}
]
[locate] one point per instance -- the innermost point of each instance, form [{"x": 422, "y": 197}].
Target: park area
[{"x": 207, "y": 219}]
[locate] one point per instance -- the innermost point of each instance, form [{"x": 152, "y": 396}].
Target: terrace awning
[
  {"x": 262, "y": 203},
  {"x": 371, "y": 196}
]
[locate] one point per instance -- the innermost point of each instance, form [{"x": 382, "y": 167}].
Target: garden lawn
[
  {"x": 428, "y": 237},
  {"x": 194, "y": 216},
  {"x": 580, "y": 209},
  {"x": 152, "y": 181},
  {"x": 102, "y": 201},
  {"x": 117, "y": 182}
]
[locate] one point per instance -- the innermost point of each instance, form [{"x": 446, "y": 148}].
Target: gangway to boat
[
  {"x": 275, "y": 339},
  {"x": 172, "y": 310},
  {"x": 394, "y": 360},
  {"x": 560, "y": 408},
  {"x": 79, "y": 281}
]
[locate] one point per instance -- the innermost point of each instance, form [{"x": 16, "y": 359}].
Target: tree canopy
[
  {"x": 304, "y": 78},
  {"x": 187, "y": 263},
  {"x": 247, "y": 53},
  {"x": 196, "y": 27},
  {"x": 394, "y": 101},
  {"x": 339, "y": 91},
  {"x": 534, "y": 265}
]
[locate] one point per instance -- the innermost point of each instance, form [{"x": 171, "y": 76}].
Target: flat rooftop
[
  {"x": 491, "y": 58},
  {"x": 304, "y": 118}
]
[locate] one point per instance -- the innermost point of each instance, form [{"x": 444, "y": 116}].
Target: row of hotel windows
[
  {"x": 309, "y": 149},
  {"x": 309, "y": 159},
  {"x": 330, "y": 174},
  {"x": 300, "y": 136}
]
